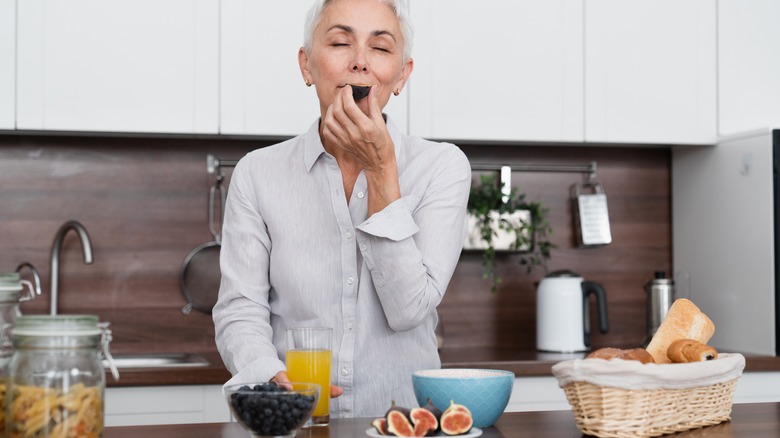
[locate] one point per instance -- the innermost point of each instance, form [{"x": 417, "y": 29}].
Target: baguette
[{"x": 683, "y": 321}]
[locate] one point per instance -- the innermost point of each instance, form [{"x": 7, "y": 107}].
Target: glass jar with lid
[
  {"x": 11, "y": 293},
  {"x": 56, "y": 377}
]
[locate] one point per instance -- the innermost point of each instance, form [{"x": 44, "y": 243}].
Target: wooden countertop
[{"x": 760, "y": 420}]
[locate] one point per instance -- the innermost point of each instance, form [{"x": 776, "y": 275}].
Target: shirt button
[
  {"x": 344, "y": 371},
  {"x": 350, "y": 280},
  {"x": 349, "y": 326},
  {"x": 361, "y": 195},
  {"x": 362, "y": 246},
  {"x": 348, "y": 235}
]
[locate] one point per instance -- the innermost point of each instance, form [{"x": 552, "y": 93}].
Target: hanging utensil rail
[
  {"x": 213, "y": 163},
  {"x": 589, "y": 169}
]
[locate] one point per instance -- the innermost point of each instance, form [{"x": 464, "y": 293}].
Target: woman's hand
[
  {"x": 365, "y": 138},
  {"x": 281, "y": 379}
]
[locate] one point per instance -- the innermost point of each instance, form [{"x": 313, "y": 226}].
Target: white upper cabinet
[
  {"x": 7, "y": 64},
  {"x": 748, "y": 65},
  {"x": 118, "y": 65},
  {"x": 650, "y": 71},
  {"x": 497, "y": 70},
  {"x": 262, "y": 90}
]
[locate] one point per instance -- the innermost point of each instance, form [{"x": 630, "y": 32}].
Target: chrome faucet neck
[{"x": 56, "y": 250}]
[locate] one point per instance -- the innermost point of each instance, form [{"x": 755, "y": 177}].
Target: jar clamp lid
[
  {"x": 11, "y": 287},
  {"x": 57, "y": 330}
]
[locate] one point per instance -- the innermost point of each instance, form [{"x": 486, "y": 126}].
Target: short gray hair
[{"x": 398, "y": 6}]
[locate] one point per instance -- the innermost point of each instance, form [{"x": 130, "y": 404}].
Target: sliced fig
[
  {"x": 398, "y": 424},
  {"x": 456, "y": 422},
  {"x": 360, "y": 91},
  {"x": 425, "y": 423},
  {"x": 456, "y": 419},
  {"x": 380, "y": 424},
  {"x": 456, "y": 407}
]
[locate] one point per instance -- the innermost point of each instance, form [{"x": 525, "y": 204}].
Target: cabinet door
[
  {"x": 497, "y": 70},
  {"x": 262, "y": 90},
  {"x": 7, "y": 63},
  {"x": 650, "y": 71},
  {"x": 748, "y": 65},
  {"x": 118, "y": 65}
]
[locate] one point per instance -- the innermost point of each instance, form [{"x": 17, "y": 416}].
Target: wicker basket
[{"x": 660, "y": 408}]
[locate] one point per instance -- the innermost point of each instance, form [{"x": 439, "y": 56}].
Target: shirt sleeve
[
  {"x": 412, "y": 246},
  {"x": 242, "y": 312}
]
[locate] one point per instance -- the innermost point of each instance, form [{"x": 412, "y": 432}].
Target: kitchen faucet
[{"x": 56, "y": 249}]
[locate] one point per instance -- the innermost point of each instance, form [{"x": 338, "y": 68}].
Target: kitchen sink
[{"x": 164, "y": 360}]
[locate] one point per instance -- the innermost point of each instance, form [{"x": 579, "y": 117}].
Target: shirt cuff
[
  {"x": 260, "y": 370},
  {"x": 394, "y": 222}
]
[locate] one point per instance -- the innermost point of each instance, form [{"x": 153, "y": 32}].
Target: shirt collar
[{"x": 313, "y": 144}]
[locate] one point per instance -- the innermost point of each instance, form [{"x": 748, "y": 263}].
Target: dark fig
[
  {"x": 433, "y": 409},
  {"x": 395, "y": 407},
  {"x": 425, "y": 423},
  {"x": 360, "y": 91},
  {"x": 380, "y": 424}
]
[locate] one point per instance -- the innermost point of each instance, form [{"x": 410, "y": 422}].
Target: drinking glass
[{"x": 308, "y": 360}]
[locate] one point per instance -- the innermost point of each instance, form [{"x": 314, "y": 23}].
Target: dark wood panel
[
  {"x": 638, "y": 187},
  {"x": 144, "y": 203}
]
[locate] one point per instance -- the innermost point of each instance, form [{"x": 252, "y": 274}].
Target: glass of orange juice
[{"x": 308, "y": 360}]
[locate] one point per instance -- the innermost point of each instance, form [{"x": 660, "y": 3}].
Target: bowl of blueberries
[{"x": 271, "y": 410}]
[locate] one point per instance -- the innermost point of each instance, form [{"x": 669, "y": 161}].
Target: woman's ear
[
  {"x": 406, "y": 71},
  {"x": 303, "y": 63}
]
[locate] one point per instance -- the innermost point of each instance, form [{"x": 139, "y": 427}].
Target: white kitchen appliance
[
  {"x": 562, "y": 323},
  {"x": 726, "y": 224}
]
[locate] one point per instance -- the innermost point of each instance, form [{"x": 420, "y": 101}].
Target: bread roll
[
  {"x": 688, "y": 350},
  {"x": 683, "y": 321},
  {"x": 639, "y": 354}
]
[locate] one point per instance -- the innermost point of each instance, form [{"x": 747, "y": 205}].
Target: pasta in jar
[{"x": 45, "y": 412}]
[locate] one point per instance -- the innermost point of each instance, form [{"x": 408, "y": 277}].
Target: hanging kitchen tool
[
  {"x": 200, "y": 275},
  {"x": 591, "y": 217}
]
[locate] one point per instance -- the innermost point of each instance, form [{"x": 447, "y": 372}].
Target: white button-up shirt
[{"x": 295, "y": 253}]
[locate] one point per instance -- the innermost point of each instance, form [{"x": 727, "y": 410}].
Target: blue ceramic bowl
[{"x": 485, "y": 392}]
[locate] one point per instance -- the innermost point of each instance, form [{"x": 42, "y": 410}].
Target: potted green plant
[{"x": 507, "y": 222}]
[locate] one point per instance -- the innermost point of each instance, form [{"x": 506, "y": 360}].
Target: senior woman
[{"x": 352, "y": 225}]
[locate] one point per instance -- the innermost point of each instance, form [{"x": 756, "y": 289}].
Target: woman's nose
[{"x": 359, "y": 67}]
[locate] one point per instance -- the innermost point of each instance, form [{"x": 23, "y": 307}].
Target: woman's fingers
[
  {"x": 281, "y": 379},
  {"x": 335, "y": 391}
]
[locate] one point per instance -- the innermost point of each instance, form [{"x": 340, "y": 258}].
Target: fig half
[{"x": 360, "y": 91}]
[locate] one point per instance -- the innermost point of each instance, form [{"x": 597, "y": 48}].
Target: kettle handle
[{"x": 590, "y": 287}]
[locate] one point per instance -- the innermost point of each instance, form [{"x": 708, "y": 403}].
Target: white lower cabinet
[
  {"x": 540, "y": 393},
  {"x": 148, "y": 405},
  {"x": 543, "y": 393}
]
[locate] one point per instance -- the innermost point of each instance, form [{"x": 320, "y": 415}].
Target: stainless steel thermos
[{"x": 660, "y": 295}]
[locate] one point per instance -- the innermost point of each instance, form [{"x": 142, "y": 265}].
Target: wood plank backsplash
[{"x": 144, "y": 203}]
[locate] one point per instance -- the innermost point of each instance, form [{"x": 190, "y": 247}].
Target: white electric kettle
[{"x": 562, "y": 312}]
